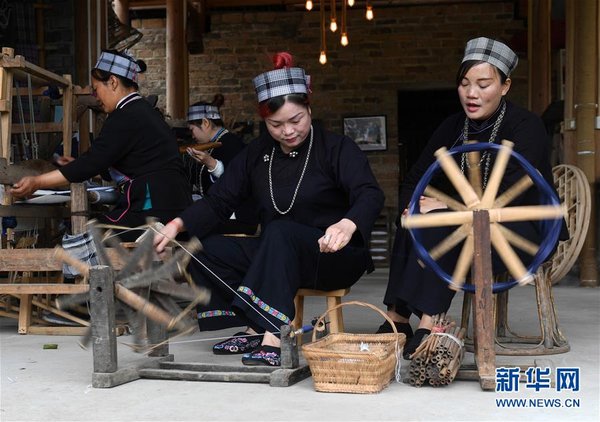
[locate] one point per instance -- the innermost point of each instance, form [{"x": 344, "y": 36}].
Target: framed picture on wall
[{"x": 369, "y": 132}]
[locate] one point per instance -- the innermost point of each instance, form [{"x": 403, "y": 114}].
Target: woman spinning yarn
[
  {"x": 317, "y": 200},
  {"x": 483, "y": 80}
]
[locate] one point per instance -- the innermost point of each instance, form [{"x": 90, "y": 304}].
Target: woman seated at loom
[{"x": 136, "y": 146}]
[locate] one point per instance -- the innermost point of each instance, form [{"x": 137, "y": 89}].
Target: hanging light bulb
[
  {"x": 369, "y": 15},
  {"x": 344, "y": 39},
  {"x": 309, "y": 5},
  {"x": 350, "y": 3},
  {"x": 323, "y": 57},
  {"x": 333, "y": 25}
]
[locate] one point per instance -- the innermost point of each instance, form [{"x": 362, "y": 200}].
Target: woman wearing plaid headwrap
[
  {"x": 205, "y": 167},
  {"x": 317, "y": 199},
  {"x": 483, "y": 80},
  {"x": 135, "y": 145}
]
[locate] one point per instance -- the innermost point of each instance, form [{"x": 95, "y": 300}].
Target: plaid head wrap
[
  {"x": 118, "y": 65},
  {"x": 278, "y": 82},
  {"x": 205, "y": 111},
  {"x": 491, "y": 51}
]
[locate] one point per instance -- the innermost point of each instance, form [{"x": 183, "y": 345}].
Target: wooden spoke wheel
[
  {"x": 475, "y": 197},
  {"x": 574, "y": 192},
  {"x": 144, "y": 288}
]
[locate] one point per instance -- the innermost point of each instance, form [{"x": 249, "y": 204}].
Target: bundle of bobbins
[{"x": 439, "y": 356}]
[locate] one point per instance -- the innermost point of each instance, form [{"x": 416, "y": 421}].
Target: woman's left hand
[
  {"x": 337, "y": 236},
  {"x": 203, "y": 157},
  {"x": 427, "y": 204},
  {"x": 25, "y": 187}
]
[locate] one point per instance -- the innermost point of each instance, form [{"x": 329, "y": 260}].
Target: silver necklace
[
  {"x": 209, "y": 152},
  {"x": 299, "y": 180},
  {"x": 486, "y": 155}
]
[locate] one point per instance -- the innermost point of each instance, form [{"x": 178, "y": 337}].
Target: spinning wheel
[
  {"x": 142, "y": 289},
  {"x": 474, "y": 198},
  {"x": 480, "y": 217},
  {"x": 574, "y": 192}
]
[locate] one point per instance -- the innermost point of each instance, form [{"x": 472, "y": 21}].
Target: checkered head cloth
[
  {"x": 205, "y": 111},
  {"x": 118, "y": 65},
  {"x": 288, "y": 80},
  {"x": 491, "y": 51}
]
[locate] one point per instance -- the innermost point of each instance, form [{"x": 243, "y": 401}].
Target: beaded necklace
[
  {"x": 299, "y": 180},
  {"x": 486, "y": 156}
]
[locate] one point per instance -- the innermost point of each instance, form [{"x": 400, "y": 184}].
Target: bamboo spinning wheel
[
  {"x": 574, "y": 192},
  {"x": 460, "y": 214},
  {"x": 142, "y": 289}
]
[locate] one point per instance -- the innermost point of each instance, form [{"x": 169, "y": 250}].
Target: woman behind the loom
[
  {"x": 136, "y": 146},
  {"x": 205, "y": 167},
  {"x": 317, "y": 199},
  {"x": 483, "y": 80}
]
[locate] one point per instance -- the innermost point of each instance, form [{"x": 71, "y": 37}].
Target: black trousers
[{"x": 254, "y": 280}]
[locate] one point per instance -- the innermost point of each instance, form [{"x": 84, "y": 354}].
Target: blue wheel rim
[{"x": 550, "y": 228}]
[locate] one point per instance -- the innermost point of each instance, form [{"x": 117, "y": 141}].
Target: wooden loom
[{"x": 16, "y": 68}]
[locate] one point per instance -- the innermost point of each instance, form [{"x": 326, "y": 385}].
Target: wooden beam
[
  {"x": 35, "y": 211},
  {"x": 22, "y": 67},
  {"x": 298, "y": 4},
  {"x": 538, "y": 36},
  {"x": 122, "y": 11},
  {"x": 43, "y": 288},
  {"x": 586, "y": 102},
  {"x": 177, "y": 71}
]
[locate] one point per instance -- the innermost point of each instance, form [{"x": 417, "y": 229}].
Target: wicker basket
[{"x": 338, "y": 364}]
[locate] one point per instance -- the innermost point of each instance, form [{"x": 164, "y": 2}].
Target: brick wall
[{"x": 417, "y": 47}]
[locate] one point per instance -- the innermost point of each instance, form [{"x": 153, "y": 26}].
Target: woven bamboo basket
[{"x": 353, "y": 363}]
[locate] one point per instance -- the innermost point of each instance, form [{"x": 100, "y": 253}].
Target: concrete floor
[{"x": 55, "y": 385}]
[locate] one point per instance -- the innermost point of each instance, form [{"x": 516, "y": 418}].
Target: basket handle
[{"x": 358, "y": 303}]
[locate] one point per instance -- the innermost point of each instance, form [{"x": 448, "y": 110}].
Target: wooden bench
[{"x": 333, "y": 298}]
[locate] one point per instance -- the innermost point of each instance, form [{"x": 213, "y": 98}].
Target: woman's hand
[
  {"x": 26, "y": 186},
  {"x": 337, "y": 236},
  {"x": 169, "y": 232},
  {"x": 427, "y": 204},
  {"x": 202, "y": 157},
  {"x": 64, "y": 160}
]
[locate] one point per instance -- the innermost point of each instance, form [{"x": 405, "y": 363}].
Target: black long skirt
[{"x": 253, "y": 281}]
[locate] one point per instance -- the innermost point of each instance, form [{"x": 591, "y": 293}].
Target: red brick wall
[{"x": 417, "y": 47}]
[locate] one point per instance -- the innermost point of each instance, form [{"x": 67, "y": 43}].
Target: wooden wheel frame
[
  {"x": 475, "y": 198},
  {"x": 574, "y": 192},
  {"x": 143, "y": 288}
]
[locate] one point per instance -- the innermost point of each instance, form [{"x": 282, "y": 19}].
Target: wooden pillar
[
  {"x": 569, "y": 143},
  {"x": 177, "y": 73},
  {"x": 122, "y": 10},
  {"x": 540, "y": 84},
  {"x": 586, "y": 105}
]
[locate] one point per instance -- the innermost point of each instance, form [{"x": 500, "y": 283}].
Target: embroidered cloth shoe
[
  {"x": 240, "y": 343},
  {"x": 401, "y": 327},
  {"x": 265, "y": 355}
]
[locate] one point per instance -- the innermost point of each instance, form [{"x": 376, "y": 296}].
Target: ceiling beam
[{"x": 223, "y": 4}]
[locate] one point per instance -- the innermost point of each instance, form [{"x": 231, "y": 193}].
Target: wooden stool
[{"x": 334, "y": 297}]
